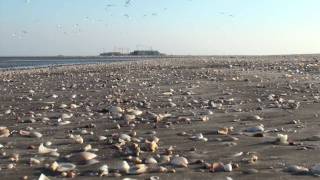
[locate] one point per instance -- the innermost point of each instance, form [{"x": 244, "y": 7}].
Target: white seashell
[
  {"x": 179, "y": 161},
  {"x": 124, "y": 167},
  {"x": 65, "y": 167},
  {"x": 115, "y": 110},
  {"x": 238, "y": 154},
  {"x": 66, "y": 116},
  {"x": 43, "y": 177},
  {"x": 62, "y": 106},
  {"x": 54, "y": 96},
  {"x": 77, "y": 138},
  {"x": 282, "y": 138},
  {"x": 297, "y": 169},
  {"x": 227, "y": 167},
  {"x": 73, "y": 106},
  {"x": 129, "y": 117},
  {"x": 4, "y": 132},
  {"x": 7, "y": 111},
  {"x": 125, "y": 137},
  {"x": 138, "y": 169},
  {"x": 102, "y": 138},
  {"x": 104, "y": 170},
  {"x": 44, "y": 150},
  {"x": 83, "y": 156},
  {"x": 150, "y": 160},
  {"x": 259, "y": 128},
  {"x": 35, "y": 134}
]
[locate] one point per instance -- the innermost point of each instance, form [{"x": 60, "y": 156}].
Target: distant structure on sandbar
[{"x": 134, "y": 53}]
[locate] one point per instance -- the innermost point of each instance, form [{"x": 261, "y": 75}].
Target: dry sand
[{"x": 231, "y": 94}]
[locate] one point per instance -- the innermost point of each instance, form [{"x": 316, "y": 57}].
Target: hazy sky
[{"x": 88, "y": 27}]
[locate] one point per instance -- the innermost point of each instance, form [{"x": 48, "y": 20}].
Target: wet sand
[{"x": 219, "y": 97}]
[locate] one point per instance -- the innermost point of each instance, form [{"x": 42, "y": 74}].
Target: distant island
[{"x": 134, "y": 53}]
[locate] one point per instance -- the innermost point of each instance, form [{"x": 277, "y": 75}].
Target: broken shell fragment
[{"x": 282, "y": 139}]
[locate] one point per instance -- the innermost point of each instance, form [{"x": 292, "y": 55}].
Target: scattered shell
[
  {"x": 227, "y": 167},
  {"x": 104, "y": 170},
  {"x": 65, "y": 167},
  {"x": 44, "y": 150},
  {"x": 4, "y": 132},
  {"x": 83, "y": 156},
  {"x": 43, "y": 177},
  {"x": 297, "y": 169},
  {"x": 282, "y": 139},
  {"x": 179, "y": 161},
  {"x": 123, "y": 167}
]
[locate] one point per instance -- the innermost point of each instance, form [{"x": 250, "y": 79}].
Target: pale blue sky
[{"x": 208, "y": 27}]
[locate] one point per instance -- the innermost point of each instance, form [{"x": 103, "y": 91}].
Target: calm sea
[{"x": 35, "y": 62}]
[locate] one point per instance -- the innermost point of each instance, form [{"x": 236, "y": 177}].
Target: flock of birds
[{"x": 76, "y": 29}]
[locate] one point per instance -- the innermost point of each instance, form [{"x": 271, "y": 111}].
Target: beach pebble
[{"x": 179, "y": 161}]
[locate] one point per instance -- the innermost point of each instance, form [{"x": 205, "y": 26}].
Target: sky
[{"x": 182, "y": 27}]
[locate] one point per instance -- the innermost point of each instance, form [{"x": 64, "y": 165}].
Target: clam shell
[
  {"x": 83, "y": 156},
  {"x": 179, "y": 161},
  {"x": 44, "y": 150},
  {"x": 65, "y": 167}
]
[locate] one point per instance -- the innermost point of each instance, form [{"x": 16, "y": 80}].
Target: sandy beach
[{"x": 222, "y": 117}]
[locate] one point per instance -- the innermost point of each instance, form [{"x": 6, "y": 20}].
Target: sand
[{"x": 282, "y": 91}]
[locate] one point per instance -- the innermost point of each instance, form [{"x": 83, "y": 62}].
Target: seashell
[
  {"x": 179, "y": 161},
  {"x": 138, "y": 169},
  {"x": 216, "y": 167},
  {"x": 199, "y": 137},
  {"x": 7, "y": 111},
  {"x": 223, "y": 131},
  {"x": 255, "y": 129},
  {"x": 43, "y": 177},
  {"x": 103, "y": 170},
  {"x": 65, "y": 167},
  {"x": 152, "y": 146},
  {"x": 315, "y": 169},
  {"x": 297, "y": 169},
  {"x": 83, "y": 156},
  {"x": 66, "y": 116},
  {"x": 44, "y": 150},
  {"x": 34, "y": 161},
  {"x": 62, "y": 106},
  {"x": 115, "y": 110},
  {"x": 73, "y": 106},
  {"x": 129, "y": 117},
  {"x": 4, "y": 132},
  {"x": 125, "y": 137},
  {"x": 227, "y": 167},
  {"x": 123, "y": 167},
  {"x": 282, "y": 138},
  {"x": 102, "y": 138},
  {"x": 54, "y": 166},
  {"x": 35, "y": 134},
  {"x": 78, "y": 139},
  {"x": 238, "y": 154},
  {"x": 135, "y": 112},
  {"x": 204, "y": 118},
  {"x": 154, "y": 178},
  {"x": 54, "y": 96},
  {"x": 150, "y": 160}
]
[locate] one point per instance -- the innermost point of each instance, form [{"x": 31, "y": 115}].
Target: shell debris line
[{"x": 214, "y": 117}]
